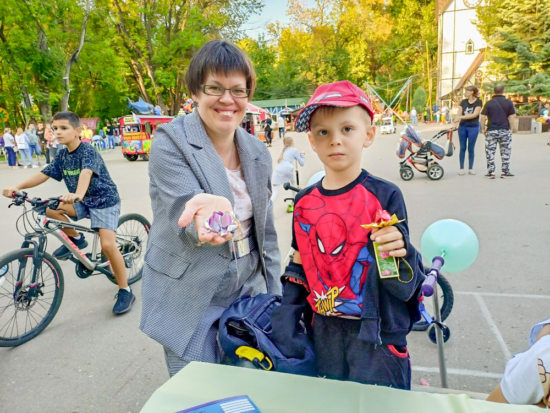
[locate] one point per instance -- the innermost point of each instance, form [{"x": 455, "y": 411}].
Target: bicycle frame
[{"x": 45, "y": 226}]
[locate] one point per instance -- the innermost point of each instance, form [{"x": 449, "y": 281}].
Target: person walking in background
[
  {"x": 445, "y": 114},
  {"x": 281, "y": 124},
  {"x": 468, "y": 129},
  {"x": 110, "y": 137},
  {"x": 42, "y": 142},
  {"x": 500, "y": 114},
  {"x": 53, "y": 145},
  {"x": 10, "y": 146},
  {"x": 268, "y": 131},
  {"x": 284, "y": 171},
  {"x": 23, "y": 147},
  {"x": 414, "y": 116},
  {"x": 86, "y": 135},
  {"x": 34, "y": 145}
]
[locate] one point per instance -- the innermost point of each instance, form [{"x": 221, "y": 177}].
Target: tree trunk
[{"x": 74, "y": 57}]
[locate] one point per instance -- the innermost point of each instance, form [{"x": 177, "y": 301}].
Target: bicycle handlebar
[
  {"x": 19, "y": 198},
  {"x": 431, "y": 278},
  {"x": 287, "y": 186}
]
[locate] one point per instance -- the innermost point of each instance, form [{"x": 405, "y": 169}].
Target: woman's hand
[{"x": 199, "y": 209}]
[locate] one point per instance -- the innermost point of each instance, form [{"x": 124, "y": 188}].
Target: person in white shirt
[
  {"x": 10, "y": 146},
  {"x": 284, "y": 171},
  {"x": 281, "y": 124},
  {"x": 526, "y": 379},
  {"x": 414, "y": 116},
  {"x": 24, "y": 148}
]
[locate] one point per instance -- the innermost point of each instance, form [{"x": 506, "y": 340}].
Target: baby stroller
[{"x": 422, "y": 153}]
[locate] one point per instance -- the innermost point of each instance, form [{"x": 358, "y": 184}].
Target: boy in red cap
[{"x": 360, "y": 318}]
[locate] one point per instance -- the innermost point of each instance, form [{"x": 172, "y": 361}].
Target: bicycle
[{"x": 30, "y": 295}]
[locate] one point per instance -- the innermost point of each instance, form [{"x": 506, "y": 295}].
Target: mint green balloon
[{"x": 452, "y": 239}]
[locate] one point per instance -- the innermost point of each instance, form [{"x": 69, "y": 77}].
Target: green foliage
[
  {"x": 420, "y": 98},
  {"x": 518, "y": 33}
]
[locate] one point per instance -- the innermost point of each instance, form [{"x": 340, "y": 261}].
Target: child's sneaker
[
  {"x": 63, "y": 253},
  {"x": 124, "y": 301},
  {"x": 461, "y": 172},
  {"x": 490, "y": 176},
  {"x": 507, "y": 174}
]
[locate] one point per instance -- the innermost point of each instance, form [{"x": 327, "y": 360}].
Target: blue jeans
[
  {"x": 468, "y": 138},
  {"x": 414, "y": 120},
  {"x": 12, "y": 158},
  {"x": 26, "y": 152},
  {"x": 35, "y": 149},
  {"x": 110, "y": 141}
]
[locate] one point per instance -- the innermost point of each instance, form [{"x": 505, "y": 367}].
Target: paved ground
[{"x": 88, "y": 360}]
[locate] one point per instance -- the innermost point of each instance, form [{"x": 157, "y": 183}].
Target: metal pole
[
  {"x": 429, "y": 83},
  {"x": 440, "y": 341}
]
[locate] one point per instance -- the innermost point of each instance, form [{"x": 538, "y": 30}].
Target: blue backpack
[{"x": 245, "y": 333}]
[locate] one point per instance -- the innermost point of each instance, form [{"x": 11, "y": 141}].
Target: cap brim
[{"x": 302, "y": 121}]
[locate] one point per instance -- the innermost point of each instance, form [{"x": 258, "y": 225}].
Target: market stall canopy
[{"x": 256, "y": 110}]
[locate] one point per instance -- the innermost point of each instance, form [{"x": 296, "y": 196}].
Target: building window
[{"x": 470, "y": 47}]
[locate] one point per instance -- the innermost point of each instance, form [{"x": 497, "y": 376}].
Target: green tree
[
  {"x": 419, "y": 100},
  {"x": 518, "y": 35}
]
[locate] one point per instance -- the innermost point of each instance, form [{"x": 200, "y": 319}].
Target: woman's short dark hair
[
  {"x": 473, "y": 89},
  {"x": 219, "y": 57}
]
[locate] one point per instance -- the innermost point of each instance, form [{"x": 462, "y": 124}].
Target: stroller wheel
[
  {"x": 406, "y": 173},
  {"x": 435, "y": 172}
]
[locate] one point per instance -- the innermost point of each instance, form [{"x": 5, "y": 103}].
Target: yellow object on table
[{"x": 272, "y": 392}]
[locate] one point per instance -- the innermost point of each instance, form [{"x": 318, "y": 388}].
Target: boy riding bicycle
[{"x": 88, "y": 181}]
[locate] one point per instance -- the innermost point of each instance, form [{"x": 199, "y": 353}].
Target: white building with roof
[{"x": 461, "y": 48}]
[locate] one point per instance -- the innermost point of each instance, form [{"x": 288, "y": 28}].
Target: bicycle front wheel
[
  {"x": 132, "y": 235},
  {"x": 25, "y": 311}
]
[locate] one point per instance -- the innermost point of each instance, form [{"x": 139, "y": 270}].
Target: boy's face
[
  {"x": 338, "y": 136},
  {"x": 64, "y": 131}
]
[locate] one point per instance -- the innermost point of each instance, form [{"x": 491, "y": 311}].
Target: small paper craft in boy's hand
[
  {"x": 382, "y": 219},
  {"x": 387, "y": 265}
]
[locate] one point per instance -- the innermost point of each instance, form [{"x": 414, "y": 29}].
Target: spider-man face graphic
[{"x": 333, "y": 249}]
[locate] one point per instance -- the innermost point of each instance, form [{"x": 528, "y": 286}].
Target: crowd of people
[
  {"x": 37, "y": 146},
  {"x": 29, "y": 143}
]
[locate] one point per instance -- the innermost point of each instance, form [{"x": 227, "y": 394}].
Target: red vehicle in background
[{"x": 137, "y": 133}]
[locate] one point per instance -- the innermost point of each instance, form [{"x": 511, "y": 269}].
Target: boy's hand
[
  {"x": 392, "y": 240},
  {"x": 71, "y": 198},
  {"x": 9, "y": 191}
]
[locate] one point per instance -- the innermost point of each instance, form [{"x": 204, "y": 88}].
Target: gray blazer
[{"x": 179, "y": 278}]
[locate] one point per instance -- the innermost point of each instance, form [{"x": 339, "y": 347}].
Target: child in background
[{"x": 284, "y": 171}]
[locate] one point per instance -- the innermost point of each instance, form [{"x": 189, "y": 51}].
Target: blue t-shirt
[{"x": 102, "y": 192}]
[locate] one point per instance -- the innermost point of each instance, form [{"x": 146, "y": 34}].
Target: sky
[{"x": 273, "y": 10}]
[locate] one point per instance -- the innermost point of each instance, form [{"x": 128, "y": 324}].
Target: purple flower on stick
[{"x": 222, "y": 223}]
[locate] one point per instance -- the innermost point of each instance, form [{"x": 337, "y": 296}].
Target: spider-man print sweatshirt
[{"x": 341, "y": 274}]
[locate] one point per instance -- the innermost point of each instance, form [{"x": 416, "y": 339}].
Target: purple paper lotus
[{"x": 221, "y": 223}]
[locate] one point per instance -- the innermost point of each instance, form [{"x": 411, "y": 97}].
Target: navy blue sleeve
[{"x": 54, "y": 169}]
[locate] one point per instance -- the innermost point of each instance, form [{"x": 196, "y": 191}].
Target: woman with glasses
[{"x": 202, "y": 163}]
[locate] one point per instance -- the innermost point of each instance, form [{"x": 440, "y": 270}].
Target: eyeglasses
[{"x": 219, "y": 91}]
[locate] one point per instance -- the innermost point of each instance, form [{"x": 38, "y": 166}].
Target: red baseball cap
[{"x": 342, "y": 94}]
